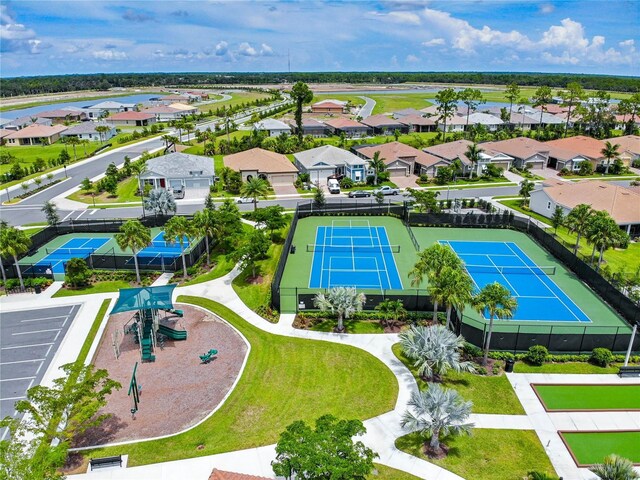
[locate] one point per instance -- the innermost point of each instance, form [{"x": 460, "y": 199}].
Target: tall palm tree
[
  {"x": 604, "y": 233},
  {"x": 177, "y": 230},
  {"x": 102, "y": 129},
  {"x": 452, "y": 288},
  {"x": 497, "y": 299},
  {"x": 526, "y": 187},
  {"x": 343, "y": 301},
  {"x": 254, "y": 188},
  {"x": 512, "y": 94},
  {"x": 615, "y": 468},
  {"x": 436, "y": 412},
  {"x": 135, "y": 236},
  {"x": 431, "y": 261},
  {"x": 541, "y": 98},
  {"x": 205, "y": 221},
  {"x": 3, "y": 225},
  {"x": 13, "y": 243},
  {"x": 578, "y": 221},
  {"x": 73, "y": 141},
  {"x": 434, "y": 350},
  {"x": 447, "y": 106},
  {"x": 473, "y": 154},
  {"x": 377, "y": 165},
  {"x": 393, "y": 309},
  {"x": 610, "y": 152}
]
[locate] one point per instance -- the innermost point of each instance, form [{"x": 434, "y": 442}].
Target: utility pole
[{"x": 289, "y": 60}]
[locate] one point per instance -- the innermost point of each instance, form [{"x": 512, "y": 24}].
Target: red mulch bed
[{"x": 177, "y": 389}]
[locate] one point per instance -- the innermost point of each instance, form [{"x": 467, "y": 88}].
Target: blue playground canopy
[{"x": 144, "y": 298}]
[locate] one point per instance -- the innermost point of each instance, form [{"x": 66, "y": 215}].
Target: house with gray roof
[
  {"x": 490, "y": 121},
  {"x": 322, "y": 162},
  {"x": 22, "y": 122},
  {"x": 87, "y": 131},
  {"x": 109, "y": 107},
  {"x": 272, "y": 127},
  {"x": 194, "y": 173}
]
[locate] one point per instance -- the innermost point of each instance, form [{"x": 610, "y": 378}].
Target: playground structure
[{"x": 145, "y": 324}]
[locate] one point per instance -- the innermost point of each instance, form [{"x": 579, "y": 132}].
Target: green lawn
[
  {"x": 568, "y": 367},
  {"x": 383, "y": 472},
  {"x": 589, "y": 397},
  {"x": 86, "y": 346},
  {"x": 489, "y": 394},
  {"x": 351, "y": 326},
  {"x": 222, "y": 264},
  {"x": 97, "y": 287},
  {"x": 236, "y": 98},
  {"x": 127, "y": 190},
  {"x": 285, "y": 379},
  {"x": 590, "y": 448},
  {"x": 487, "y": 454}
]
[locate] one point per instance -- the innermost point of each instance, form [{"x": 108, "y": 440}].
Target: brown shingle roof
[
  {"x": 344, "y": 123},
  {"x": 628, "y": 143},
  {"x": 261, "y": 160},
  {"x": 623, "y": 204},
  {"x": 588, "y": 146},
  {"x": 417, "y": 120},
  {"x": 131, "y": 116},
  {"x": 451, "y": 150},
  {"x": 520, "y": 147},
  {"x": 381, "y": 121},
  {"x": 60, "y": 113},
  {"x": 393, "y": 151},
  {"x": 37, "y": 131},
  {"x": 223, "y": 475}
]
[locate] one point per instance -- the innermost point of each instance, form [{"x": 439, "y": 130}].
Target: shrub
[
  {"x": 564, "y": 171},
  {"x": 424, "y": 178},
  {"x": 537, "y": 355},
  {"x": 78, "y": 273},
  {"x": 601, "y": 356},
  {"x": 346, "y": 182},
  {"x": 471, "y": 350}
]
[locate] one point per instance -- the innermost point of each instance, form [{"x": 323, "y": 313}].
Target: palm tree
[
  {"x": 301, "y": 94},
  {"x": 453, "y": 288},
  {"x": 13, "y": 243},
  {"x": 437, "y": 411},
  {"x": 3, "y": 226},
  {"x": 525, "y": 190},
  {"x": 102, "y": 129},
  {"x": 343, "y": 301},
  {"x": 205, "y": 222},
  {"x": 512, "y": 94},
  {"x": 447, "y": 106},
  {"x": 431, "y": 262},
  {"x": 377, "y": 165},
  {"x": 135, "y": 236},
  {"x": 604, "y": 233},
  {"x": 393, "y": 309},
  {"x": 434, "y": 350},
  {"x": 73, "y": 141},
  {"x": 615, "y": 468},
  {"x": 137, "y": 169},
  {"x": 179, "y": 229},
  {"x": 254, "y": 188},
  {"x": 497, "y": 299},
  {"x": 578, "y": 221},
  {"x": 473, "y": 154},
  {"x": 610, "y": 152},
  {"x": 541, "y": 98},
  {"x": 160, "y": 202}
]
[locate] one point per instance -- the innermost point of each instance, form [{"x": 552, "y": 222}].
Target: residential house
[
  {"x": 185, "y": 109},
  {"x": 383, "y": 125},
  {"x": 87, "y": 131},
  {"x": 311, "y": 127},
  {"x": 199, "y": 96},
  {"x": 131, "y": 118},
  {"x": 629, "y": 147},
  {"x": 491, "y": 122},
  {"x": 174, "y": 98},
  {"x": 179, "y": 170},
  {"x": 406, "y": 112},
  {"x": 454, "y": 124},
  {"x": 164, "y": 113},
  {"x": 328, "y": 106},
  {"x": 560, "y": 158},
  {"x": 22, "y": 122},
  {"x": 622, "y": 120},
  {"x": 525, "y": 152},
  {"x": 322, "y": 162},
  {"x": 430, "y": 111},
  {"x": 61, "y": 116},
  {"x": 35, "y": 134},
  {"x": 400, "y": 159},
  {"x": 588, "y": 147},
  {"x": 276, "y": 168},
  {"x": 452, "y": 151},
  {"x": 272, "y": 127},
  {"x": 4, "y": 132},
  {"x": 418, "y": 123},
  {"x": 104, "y": 109},
  {"x": 350, "y": 128},
  {"x": 622, "y": 203}
]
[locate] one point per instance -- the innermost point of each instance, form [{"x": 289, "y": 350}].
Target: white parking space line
[
  {"x": 15, "y": 398},
  {"x": 25, "y": 361},
  {"x": 28, "y": 346},
  {"x": 16, "y": 379},
  {"x": 40, "y": 319},
  {"x": 37, "y": 331},
  {"x": 93, "y": 211},
  {"x": 81, "y": 213},
  {"x": 65, "y": 218}
]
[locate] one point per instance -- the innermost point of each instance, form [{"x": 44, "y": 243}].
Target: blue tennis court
[
  {"x": 160, "y": 251},
  {"x": 539, "y": 298},
  {"x": 352, "y": 253},
  {"x": 56, "y": 259}
]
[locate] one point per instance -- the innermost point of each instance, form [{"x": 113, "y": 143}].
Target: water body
[
  {"x": 395, "y": 92},
  {"x": 23, "y": 112}
]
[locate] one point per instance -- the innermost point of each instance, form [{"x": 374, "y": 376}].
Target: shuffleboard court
[
  {"x": 538, "y": 296},
  {"x": 352, "y": 253},
  {"x": 589, "y": 448},
  {"x": 564, "y": 397}
]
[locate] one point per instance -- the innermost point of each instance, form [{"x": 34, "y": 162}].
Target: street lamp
[
  {"x": 64, "y": 165},
  {"x": 93, "y": 197},
  {"x": 633, "y": 337}
]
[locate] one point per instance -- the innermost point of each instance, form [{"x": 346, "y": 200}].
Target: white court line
[
  {"x": 379, "y": 276},
  {"x": 26, "y": 346},
  {"x": 37, "y": 331},
  {"x": 24, "y": 361},
  {"x": 505, "y": 278},
  {"x": 16, "y": 379},
  {"x": 384, "y": 262}
]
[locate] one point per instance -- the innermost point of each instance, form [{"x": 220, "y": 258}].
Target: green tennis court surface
[
  {"x": 589, "y": 397},
  {"x": 589, "y": 448}
]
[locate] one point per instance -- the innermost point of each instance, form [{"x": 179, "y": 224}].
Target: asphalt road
[
  {"x": 30, "y": 339},
  {"x": 367, "y": 108}
]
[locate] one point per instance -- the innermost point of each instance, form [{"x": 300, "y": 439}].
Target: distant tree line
[{"x": 64, "y": 83}]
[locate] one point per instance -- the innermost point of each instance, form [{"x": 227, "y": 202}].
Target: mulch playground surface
[{"x": 177, "y": 389}]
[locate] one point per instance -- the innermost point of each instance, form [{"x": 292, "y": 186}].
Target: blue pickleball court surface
[
  {"x": 351, "y": 253},
  {"x": 539, "y": 298},
  {"x": 74, "y": 248},
  {"x": 160, "y": 251}
]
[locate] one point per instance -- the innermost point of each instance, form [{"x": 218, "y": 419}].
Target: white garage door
[
  {"x": 397, "y": 171},
  {"x": 199, "y": 183},
  {"x": 283, "y": 179},
  {"x": 320, "y": 175}
]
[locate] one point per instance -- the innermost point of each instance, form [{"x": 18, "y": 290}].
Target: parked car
[
  {"x": 245, "y": 200},
  {"x": 333, "y": 185},
  {"x": 359, "y": 193},
  {"x": 178, "y": 193},
  {"x": 387, "y": 190}
]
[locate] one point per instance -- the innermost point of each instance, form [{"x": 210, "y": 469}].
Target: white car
[
  {"x": 244, "y": 200},
  {"x": 387, "y": 190}
]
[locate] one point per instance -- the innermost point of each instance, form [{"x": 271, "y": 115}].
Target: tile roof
[
  {"x": 182, "y": 106},
  {"x": 344, "y": 123},
  {"x": 110, "y": 105},
  {"x": 520, "y": 147},
  {"x": 35, "y": 131},
  {"x": 27, "y": 120},
  {"x": 311, "y": 122},
  {"x": 261, "y": 160},
  {"x": 623, "y": 204},
  {"x": 223, "y": 475},
  {"x": 328, "y": 155},
  {"x": 407, "y": 111},
  {"x": 161, "y": 109},
  {"x": 60, "y": 113},
  {"x": 327, "y": 104},
  {"x": 178, "y": 165},
  {"x": 628, "y": 143},
  {"x": 331, "y": 101},
  {"x": 381, "y": 121},
  {"x": 451, "y": 150},
  {"x": 588, "y": 146},
  {"x": 131, "y": 116},
  {"x": 85, "y": 127},
  {"x": 417, "y": 120},
  {"x": 4, "y": 132},
  {"x": 271, "y": 124},
  {"x": 484, "y": 119},
  {"x": 392, "y": 151}
]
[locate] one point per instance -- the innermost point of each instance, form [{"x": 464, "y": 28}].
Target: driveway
[
  {"x": 367, "y": 108},
  {"x": 405, "y": 182},
  {"x": 285, "y": 189}
]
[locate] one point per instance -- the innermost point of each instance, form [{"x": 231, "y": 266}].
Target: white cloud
[
  {"x": 407, "y": 18},
  {"x": 435, "y": 42},
  {"x": 266, "y": 50},
  {"x": 627, "y": 43},
  {"x": 247, "y": 50},
  {"x": 109, "y": 55},
  {"x": 547, "y": 8},
  {"x": 222, "y": 48},
  {"x": 412, "y": 58},
  {"x": 16, "y": 36}
]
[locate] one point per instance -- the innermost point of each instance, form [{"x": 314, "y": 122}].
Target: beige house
[
  {"x": 629, "y": 147},
  {"x": 276, "y": 168},
  {"x": 399, "y": 158},
  {"x": 35, "y": 135},
  {"x": 526, "y": 152}
]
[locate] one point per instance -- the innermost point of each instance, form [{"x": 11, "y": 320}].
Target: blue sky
[{"x": 61, "y": 37}]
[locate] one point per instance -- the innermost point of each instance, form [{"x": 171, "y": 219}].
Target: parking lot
[{"x": 29, "y": 340}]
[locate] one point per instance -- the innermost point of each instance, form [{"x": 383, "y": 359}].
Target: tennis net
[
  {"x": 511, "y": 270},
  {"x": 80, "y": 252},
  {"x": 313, "y": 247}
]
